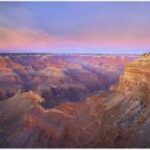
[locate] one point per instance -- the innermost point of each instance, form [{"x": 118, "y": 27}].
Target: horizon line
[{"x": 74, "y": 53}]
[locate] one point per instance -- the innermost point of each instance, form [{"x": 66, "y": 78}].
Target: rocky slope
[{"x": 117, "y": 118}]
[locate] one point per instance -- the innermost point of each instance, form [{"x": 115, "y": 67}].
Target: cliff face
[
  {"x": 135, "y": 81},
  {"x": 118, "y": 118}
]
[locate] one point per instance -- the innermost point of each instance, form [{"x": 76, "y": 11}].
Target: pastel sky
[{"x": 75, "y": 27}]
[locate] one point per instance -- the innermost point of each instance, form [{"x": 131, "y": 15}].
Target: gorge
[{"x": 110, "y": 109}]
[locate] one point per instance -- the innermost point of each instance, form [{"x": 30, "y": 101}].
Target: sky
[{"x": 75, "y": 27}]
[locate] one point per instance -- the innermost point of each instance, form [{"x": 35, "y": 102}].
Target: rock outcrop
[{"x": 135, "y": 81}]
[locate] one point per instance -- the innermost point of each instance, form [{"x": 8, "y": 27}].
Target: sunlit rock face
[
  {"x": 134, "y": 82},
  {"x": 119, "y": 117},
  {"x": 59, "y": 78}
]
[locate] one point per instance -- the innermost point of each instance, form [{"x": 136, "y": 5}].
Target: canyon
[
  {"x": 59, "y": 78},
  {"x": 110, "y": 110}
]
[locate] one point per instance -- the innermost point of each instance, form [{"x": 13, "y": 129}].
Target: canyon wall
[
  {"x": 59, "y": 78},
  {"x": 119, "y": 117}
]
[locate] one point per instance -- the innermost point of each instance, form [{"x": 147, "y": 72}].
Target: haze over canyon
[{"x": 74, "y": 100}]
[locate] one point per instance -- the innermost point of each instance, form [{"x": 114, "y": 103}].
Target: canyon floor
[{"x": 74, "y": 101}]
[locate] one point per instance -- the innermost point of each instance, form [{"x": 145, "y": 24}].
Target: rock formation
[
  {"x": 119, "y": 117},
  {"x": 59, "y": 78}
]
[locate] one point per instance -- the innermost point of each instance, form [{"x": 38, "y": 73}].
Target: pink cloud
[
  {"x": 30, "y": 39},
  {"x": 15, "y": 39}
]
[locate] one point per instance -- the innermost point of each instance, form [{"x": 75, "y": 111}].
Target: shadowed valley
[{"x": 59, "y": 78}]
